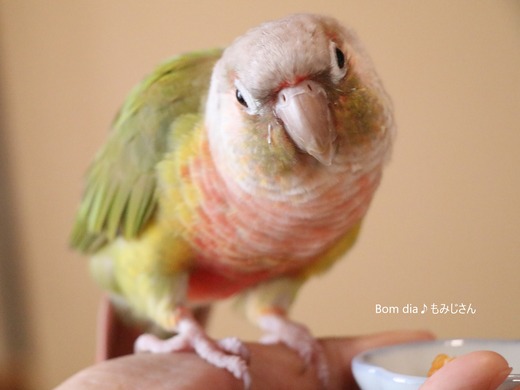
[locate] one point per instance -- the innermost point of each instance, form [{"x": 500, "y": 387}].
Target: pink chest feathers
[{"x": 242, "y": 233}]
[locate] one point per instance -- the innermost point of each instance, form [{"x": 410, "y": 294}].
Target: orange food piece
[{"x": 439, "y": 361}]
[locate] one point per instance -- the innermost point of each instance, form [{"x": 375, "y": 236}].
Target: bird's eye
[
  {"x": 340, "y": 58},
  {"x": 246, "y": 99},
  {"x": 338, "y": 63},
  {"x": 240, "y": 98}
]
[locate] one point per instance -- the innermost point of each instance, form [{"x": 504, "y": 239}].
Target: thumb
[{"x": 480, "y": 370}]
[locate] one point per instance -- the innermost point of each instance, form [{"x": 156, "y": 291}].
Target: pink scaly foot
[
  {"x": 280, "y": 329},
  {"x": 229, "y": 353}
]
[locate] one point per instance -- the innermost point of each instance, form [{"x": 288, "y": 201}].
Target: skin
[{"x": 276, "y": 367}]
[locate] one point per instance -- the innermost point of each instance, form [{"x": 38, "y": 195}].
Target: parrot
[{"x": 239, "y": 172}]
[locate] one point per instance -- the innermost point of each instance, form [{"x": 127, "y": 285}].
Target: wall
[{"x": 443, "y": 228}]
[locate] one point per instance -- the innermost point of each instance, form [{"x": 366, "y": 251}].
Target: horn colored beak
[{"x": 304, "y": 111}]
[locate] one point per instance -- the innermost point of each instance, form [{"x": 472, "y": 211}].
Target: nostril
[
  {"x": 309, "y": 87},
  {"x": 284, "y": 98}
]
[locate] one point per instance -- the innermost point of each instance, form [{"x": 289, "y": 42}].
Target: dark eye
[
  {"x": 340, "y": 58},
  {"x": 240, "y": 98}
]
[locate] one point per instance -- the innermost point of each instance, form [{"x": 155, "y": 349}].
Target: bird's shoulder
[{"x": 120, "y": 195}]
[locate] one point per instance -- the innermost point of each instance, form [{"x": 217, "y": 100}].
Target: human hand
[
  {"x": 481, "y": 370},
  {"x": 276, "y": 367}
]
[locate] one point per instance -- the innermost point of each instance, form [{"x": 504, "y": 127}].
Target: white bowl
[{"x": 405, "y": 366}]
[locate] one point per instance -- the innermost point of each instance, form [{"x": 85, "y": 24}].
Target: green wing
[{"x": 120, "y": 194}]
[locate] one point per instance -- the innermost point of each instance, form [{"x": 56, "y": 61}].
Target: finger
[
  {"x": 272, "y": 367},
  {"x": 184, "y": 371},
  {"x": 481, "y": 370}
]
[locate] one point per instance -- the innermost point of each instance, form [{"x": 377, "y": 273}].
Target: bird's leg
[
  {"x": 267, "y": 306},
  {"x": 280, "y": 329},
  {"x": 229, "y": 353}
]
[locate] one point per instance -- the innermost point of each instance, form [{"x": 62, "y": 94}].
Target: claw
[
  {"x": 280, "y": 329},
  {"x": 230, "y": 354},
  {"x": 234, "y": 346}
]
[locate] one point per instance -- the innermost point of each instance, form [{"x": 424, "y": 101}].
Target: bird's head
[{"x": 301, "y": 85}]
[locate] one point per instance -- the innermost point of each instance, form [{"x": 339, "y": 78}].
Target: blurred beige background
[{"x": 444, "y": 227}]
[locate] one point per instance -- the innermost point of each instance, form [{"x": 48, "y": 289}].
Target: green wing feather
[{"x": 120, "y": 194}]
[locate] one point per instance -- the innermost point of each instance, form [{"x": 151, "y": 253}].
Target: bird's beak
[{"x": 304, "y": 111}]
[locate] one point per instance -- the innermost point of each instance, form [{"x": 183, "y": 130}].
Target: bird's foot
[
  {"x": 280, "y": 329},
  {"x": 229, "y": 353}
]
